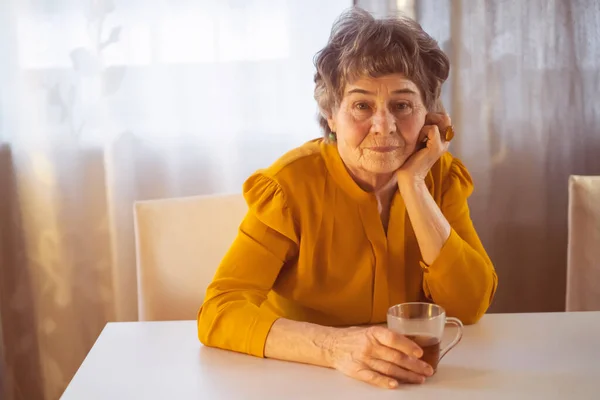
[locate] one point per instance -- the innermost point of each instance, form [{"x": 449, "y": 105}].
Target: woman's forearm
[
  {"x": 301, "y": 342},
  {"x": 431, "y": 227}
]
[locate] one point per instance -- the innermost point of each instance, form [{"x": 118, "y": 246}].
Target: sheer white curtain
[{"x": 106, "y": 102}]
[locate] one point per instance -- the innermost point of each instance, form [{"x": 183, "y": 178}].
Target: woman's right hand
[{"x": 377, "y": 355}]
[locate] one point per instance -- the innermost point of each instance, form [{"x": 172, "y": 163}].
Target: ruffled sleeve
[
  {"x": 462, "y": 279},
  {"x": 232, "y": 317},
  {"x": 268, "y": 203}
]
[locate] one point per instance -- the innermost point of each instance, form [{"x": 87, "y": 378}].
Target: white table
[{"x": 504, "y": 356}]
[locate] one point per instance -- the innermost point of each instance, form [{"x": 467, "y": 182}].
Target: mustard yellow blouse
[{"x": 312, "y": 248}]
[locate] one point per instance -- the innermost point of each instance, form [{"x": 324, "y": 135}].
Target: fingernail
[
  {"x": 392, "y": 383},
  {"x": 418, "y": 353},
  {"x": 429, "y": 370}
]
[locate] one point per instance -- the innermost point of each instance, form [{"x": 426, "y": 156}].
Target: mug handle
[{"x": 459, "y": 334}]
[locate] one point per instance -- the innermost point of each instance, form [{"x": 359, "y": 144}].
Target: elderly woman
[{"x": 372, "y": 215}]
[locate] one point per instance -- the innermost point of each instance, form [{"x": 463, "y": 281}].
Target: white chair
[
  {"x": 179, "y": 245},
  {"x": 583, "y": 263}
]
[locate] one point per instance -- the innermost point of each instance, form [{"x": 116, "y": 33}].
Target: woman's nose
[{"x": 383, "y": 122}]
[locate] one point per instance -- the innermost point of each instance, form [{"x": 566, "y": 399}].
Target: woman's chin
[
  {"x": 383, "y": 162},
  {"x": 384, "y": 166}
]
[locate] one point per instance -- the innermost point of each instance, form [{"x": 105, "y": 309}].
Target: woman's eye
[
  {"x": 361, "y": 106},
  {"x": 402, "y": 106}
]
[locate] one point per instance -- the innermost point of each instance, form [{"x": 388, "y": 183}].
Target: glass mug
[{"x": 424, "y": 324}]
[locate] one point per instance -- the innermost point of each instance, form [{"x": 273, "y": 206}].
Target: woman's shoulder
[
  {"x": 302, "y": 160},
  {"x": 449, "y": 164},
  {"x": 302, "y": 164},
  {"x": 294, "y": 172},
  {"x": 450, "y": 172}
]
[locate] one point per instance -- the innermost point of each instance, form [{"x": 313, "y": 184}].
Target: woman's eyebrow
[
  {"x": 404, "y": 91},
  {"x": 399, "y": 91}
]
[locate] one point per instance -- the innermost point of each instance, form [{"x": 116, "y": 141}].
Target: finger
[
  {"x": 441, "y": 120},
  {"x": 434, "y": 133},
  {"x": 434, "y": 138},
  {"x": 428, "y": 132},
  {"x": 394, "y": 371},
  {"x": 396, "y": 341},
  {"x": 401, "y": 360},
  {"x": 376, "y": 379}
]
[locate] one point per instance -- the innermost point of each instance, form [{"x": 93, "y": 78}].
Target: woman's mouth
[{"x": 383, "y": 149}]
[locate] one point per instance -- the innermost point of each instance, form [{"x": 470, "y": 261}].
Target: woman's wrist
[
  {"x": 327, "y": 346},
  {"x": 301, "y": 342},
  {"x": 410, "y": 183}
]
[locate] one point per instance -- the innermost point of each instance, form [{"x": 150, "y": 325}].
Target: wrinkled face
[{"x": 378, "y": 122}]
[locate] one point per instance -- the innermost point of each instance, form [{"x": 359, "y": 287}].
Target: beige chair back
[
  {"x": 179, "y": 244},
  {"x": 583, "y": 264}
]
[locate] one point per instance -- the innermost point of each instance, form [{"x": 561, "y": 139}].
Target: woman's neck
[
  {"x": 378, "y": 184},
  {"x": 383, "y": 186}
]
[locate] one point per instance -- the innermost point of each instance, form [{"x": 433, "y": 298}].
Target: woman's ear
[{"x": 331, "y": 123}]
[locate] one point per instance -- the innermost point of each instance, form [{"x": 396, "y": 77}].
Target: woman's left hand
[{"x": 416, "y": 168}]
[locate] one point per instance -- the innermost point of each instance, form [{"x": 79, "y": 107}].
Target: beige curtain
[
  {"x": 524, "y": 97},
  {"x": 4, "y": 389}
]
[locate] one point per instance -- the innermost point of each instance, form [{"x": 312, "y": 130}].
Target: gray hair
[{"x": 360, "y": 45}]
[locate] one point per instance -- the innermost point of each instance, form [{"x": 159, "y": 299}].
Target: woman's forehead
[{"x": 393, "y": 83}]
